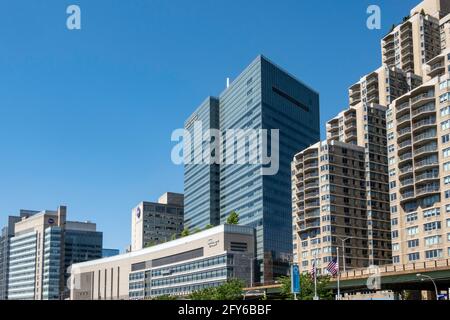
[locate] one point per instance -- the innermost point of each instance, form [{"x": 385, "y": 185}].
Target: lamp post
[
  {"x": 343, "y": 249},
  {"x": 423, "y": 276}
]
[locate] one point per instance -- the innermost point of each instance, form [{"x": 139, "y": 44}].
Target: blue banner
[{"x": 295, "y": 279}]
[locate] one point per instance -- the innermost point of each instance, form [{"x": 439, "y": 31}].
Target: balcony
[
  {"x": 424, "y": 123},
  {"x": 404, "y": 119},
  {"x": 407, "y": 182},
  {"x": 403, "y": 132},
  {"x": 422, "y": 98},
  {"x": 310, "y": 176},
  {"x": 427, "y": 176},
  {"x": 310, "y": 156},
  {"x": 311, "y": 195},
  {"x": 427, "y": 190},
  {"x": 311, "y": 185},
  {"x": 429, "y": 108},
  {"x": 404, "y": 144},
  {"x": 405, "y": 157},
  {"x": 427, "y": 163},
  {"x": 425, "y": 136},
  {"x": 426, "y": 149},
  {"x": 312, "y": 204},
  {"x": 407, "y": 195},
  {"x": 406, "y": 170},
  {"x": 403, "y": 106},
  {"x": 310, "y": 166},
  {"x": 435, "y": 70}
]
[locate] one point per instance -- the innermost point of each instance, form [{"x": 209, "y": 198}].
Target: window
[
  {"x": 413, "y": 243},
  {"x": 394, "y": 221},
  {"x": 432, "y": 226},
  {"x": 445, "y": 125},
  {"x": 431, "y": 241},
  {"x": 433, "y": 254},
  {"x": 396, "y": 259},
  {"x": 395, "y": 234},
  {"x": 412, "y": 231},
  {"x": 447, "y": 166},
  {"x": 445, "y": 138},
  {"x": 446, "y": 152},
  {"x": 432, "y": 213},
  {"x": 411, "y": 217},
  {"x": 395, "y": 247},
  {"x": 414, "y": 256},
  {"x": 445, "y": 111}
]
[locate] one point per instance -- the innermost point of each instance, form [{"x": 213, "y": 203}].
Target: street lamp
[
  {"x": 422, "y": 276},
  {"x": 343, "y": 249}
]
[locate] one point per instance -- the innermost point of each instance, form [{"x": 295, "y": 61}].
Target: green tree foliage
[
  {"x": 186, "y": 232},
  {"x": 233, "y": 218},
  {"x": 231, "y": 290},
  {"x": 209, "y": 226},
  {"x": 173, "y": 237},
  {"x": 165, "y": 297},
  {"x": 150, "y": 244},
  {"x": 306, "y": 288}
]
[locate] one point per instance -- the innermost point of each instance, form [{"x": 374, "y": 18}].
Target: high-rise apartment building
[
  {"x": 413, "y": 42},
  {"x": 419, "y": 167},
  {"x": 351, "y": 196},
  {"x": 6, "y": 234},
  {"x": 382, "y": 86},
  {"x": 42, "y": 249},
  {"x": 157, "y": 222},
  {"x": 262, "y": 97}
]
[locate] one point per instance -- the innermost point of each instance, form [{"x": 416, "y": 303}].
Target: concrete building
[
  {"x": 43, "y": 247},
  {"x": 417, "y": 39},
  {"x": 156, "y": 222},
  {"x": 6, "y": 234},
  {"x": 382, "y": 86},
  {"x": 419, "y": 167},
  {"x": 263, "y": 96},
  {"x": 179, "y": 267}
]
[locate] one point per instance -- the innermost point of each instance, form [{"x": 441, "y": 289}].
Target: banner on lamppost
[{"x": 295, "y": 279}]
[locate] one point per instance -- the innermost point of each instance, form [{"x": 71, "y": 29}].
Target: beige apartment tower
[{"x": 419, "y": 167}]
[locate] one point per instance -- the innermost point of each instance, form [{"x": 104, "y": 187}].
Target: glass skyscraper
[{"x": 262, "y": 97}]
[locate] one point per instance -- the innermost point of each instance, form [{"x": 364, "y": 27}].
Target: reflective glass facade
[{"x": 262, "y": 97}]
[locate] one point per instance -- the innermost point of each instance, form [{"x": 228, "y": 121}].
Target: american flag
[
  {"x": 313, "y": 269},
  {"x": 333, "y": 267}
]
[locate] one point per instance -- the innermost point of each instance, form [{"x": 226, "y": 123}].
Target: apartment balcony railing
[
  {"x": 423, "y": 96},
  {"x": 311, "y": 175},
  {"x": 311, "y": 185},
  {"x": 407, "y": 182},
  {"x": 436, "y": 66},
  {"x": 310, "y": 155},
  {"x": 427, "y": 162},
  {"x": 404, "y": 131},
  {"x": 406, "y": 156},
  {"x": 312, "y": 195},
  {"x": 406, "y": 169},
  {"x": 403, "y": 119},
  {"x": 424, "y": 136},
  {"x": 427, "y": 176},
  {"x": 425, "y": 122},
  {"x": 403, "y": 106},
  {"x": 404, "y": 144},
  {"x": 429, "y": 189},
  {"x": 311, "y": 165},
  {"x": 312, "y": 204},
  {"x": 425, "y": 149},
  {"x": 407, "y": 195},
  {"x": 425, "y": 108}
]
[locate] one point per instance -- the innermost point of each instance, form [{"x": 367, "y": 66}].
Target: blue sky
[{"x": 86, "y": 116}]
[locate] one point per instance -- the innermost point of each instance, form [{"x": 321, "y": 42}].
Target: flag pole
[
  {"x": 338, "y": 277},
  {"x": 315, "y": 277}
]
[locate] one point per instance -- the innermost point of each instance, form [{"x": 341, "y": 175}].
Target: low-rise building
[
  {"x": 156, "y": 222},
  {"x": 179, "y": 267}
]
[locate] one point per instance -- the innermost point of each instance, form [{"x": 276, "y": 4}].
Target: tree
[
  {"x": 233, "y": 218},
  {"x": 307, "y": 288},
  {"x": 208, "y": 226},
  {"x": 196, "y": 230},
  {"x": 150, "y": 244},
  {"x": 165, "y": 297},
  {"x": 173, "y": 237},
  {"x": 231, "y": 290},
  {"x": 185, "y": 232}
]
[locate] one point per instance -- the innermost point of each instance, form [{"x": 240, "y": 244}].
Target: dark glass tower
[{"x": 263, "y": 96}]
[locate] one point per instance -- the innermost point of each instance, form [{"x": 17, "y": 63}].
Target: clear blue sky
[{"x": 86, "y": 116}]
